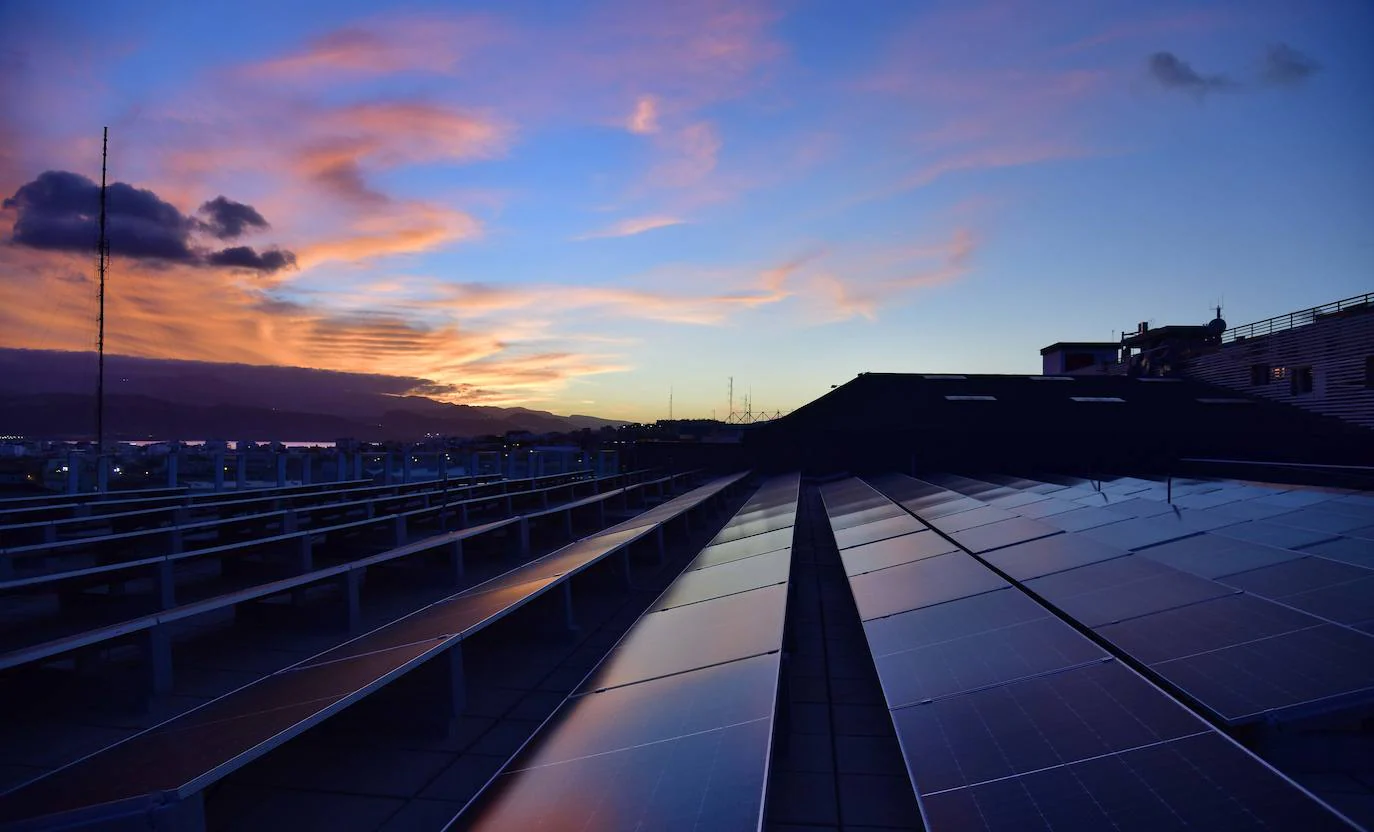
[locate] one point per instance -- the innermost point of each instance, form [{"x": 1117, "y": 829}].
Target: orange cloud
[{"x": 161, "y": 312}]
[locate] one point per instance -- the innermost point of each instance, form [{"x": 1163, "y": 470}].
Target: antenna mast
[{"x": 103, "y": 247}]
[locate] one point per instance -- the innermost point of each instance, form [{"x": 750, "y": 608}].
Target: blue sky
[{"x": 579, "y": 207}]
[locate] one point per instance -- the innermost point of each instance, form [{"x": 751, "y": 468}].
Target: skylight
[
  {"x": 971, "y": 398},
  {"x": 1098, "y": 399}
]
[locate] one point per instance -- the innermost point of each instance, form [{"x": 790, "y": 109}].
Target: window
[
  {"x": 1300, "y": 381},
  {"x": 971, "y": 398},
  {"x": 1259, "y": 374},
  {"x": 1097, "y": 399}
]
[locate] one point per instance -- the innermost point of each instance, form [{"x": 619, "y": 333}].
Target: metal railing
[{"x": 1302, "y": 317}]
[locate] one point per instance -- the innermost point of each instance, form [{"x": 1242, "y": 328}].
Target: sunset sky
[{"x": 580, "y": 206}]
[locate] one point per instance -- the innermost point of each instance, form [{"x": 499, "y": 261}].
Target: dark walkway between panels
[{"x": 838, "y": 766}]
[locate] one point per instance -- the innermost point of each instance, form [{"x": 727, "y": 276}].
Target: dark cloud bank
[
  {"x": 60, "y": 211},
  {"x": 1282, "y": 66}
]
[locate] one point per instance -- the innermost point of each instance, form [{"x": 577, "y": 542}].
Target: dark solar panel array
[
  {"x": 673, "y": 729},
  {"x": 180, "y": 756},
  {"x": 1184, "y": 590},
  {"x": 1002, "y": 709},
  {"x": 1008, "y": 717}
]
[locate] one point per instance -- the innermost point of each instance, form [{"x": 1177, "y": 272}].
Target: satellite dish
[{"x": 1216, "y": 326}]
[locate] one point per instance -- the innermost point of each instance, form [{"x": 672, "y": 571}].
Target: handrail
[{"x": 1302, "y": 317}]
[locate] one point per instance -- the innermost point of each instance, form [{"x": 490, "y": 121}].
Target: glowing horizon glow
[{"x": 555, "y": 207}]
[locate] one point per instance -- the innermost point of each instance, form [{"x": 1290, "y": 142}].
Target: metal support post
[
  {"x": 568, "y": 618},
  {"x": 351, "y": 584},
  {"x": 157, "y": 649},
  {"x": 457, "y": 569}
]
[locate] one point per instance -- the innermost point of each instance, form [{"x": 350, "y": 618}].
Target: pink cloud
[
  {"x": 630, "y": 227},
  {"x": 690, "y": 156},
  {"x": 381, "y": 46},
  {"x": 644, "y": 119}
]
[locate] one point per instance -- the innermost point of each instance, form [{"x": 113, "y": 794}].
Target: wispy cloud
[{"x": 630, "y": 227}]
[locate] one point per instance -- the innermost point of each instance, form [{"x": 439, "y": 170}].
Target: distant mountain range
[{"x": 50, "y": 394}]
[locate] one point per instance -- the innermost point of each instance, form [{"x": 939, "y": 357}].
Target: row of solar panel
[
  {"x": 1008, "y": 717},
  {"x": 674, "y": 727},
  {"x": 1188, "y": 608},
  {"x": 181, "y": 756}
]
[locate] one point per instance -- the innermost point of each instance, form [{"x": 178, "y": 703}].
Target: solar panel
[
  {"x": 1246, "y": 680},
  {"x": 1346, "y": 549},
  {"x": 894, "y": 550},
  {"x": 1198, "y": 628},
  {"x": 1034, "y": 724},
  {"x": 1123, "y": 588},
  {"x": 1246, "y": 510},
  {"x": 943, "y": 505},
  {"x": 1212, "y": 556},
  {"x": 1017, "y": 499},
  {"x": 1198, "y": 782},
  {"x": 1139, "y": 532},
  {"x": 1046, "y": 508},
  {"x": 762, "y": 522},
  {"x": 968, "y": 519},
  {"x": 990, "y": 658},
  {"x": 1140, "y": 507},
  {"x": 878, "y": 530},
  {"x": 1295, "y": 576},
  {"x": 1297, "y": 498},
  {"x": 1274, "y": 534},
  {"x": 1348, "y": 603},
  {"x": 658, "y": 710},
  {"x": 727, "y": 579},
  {"x": 845, "y": 520},
  {"x": 746, "y": 547},
  {"x": 695, "y": 636},
  {"x": 709, "y": 780},
  {"x": 1083, "y": 518},
  {"x": 900, "y": 487},
  {"x": 176, "y": 753},
  {"x": 956, "y": 619},
  {"x": 1324, "y": 520},
  {"x": 1050, "y": 554},
  {"x": 920, "y": 584},
  {"x": 1002, "y": 533},
  {"x": 444, "y": 619}
]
